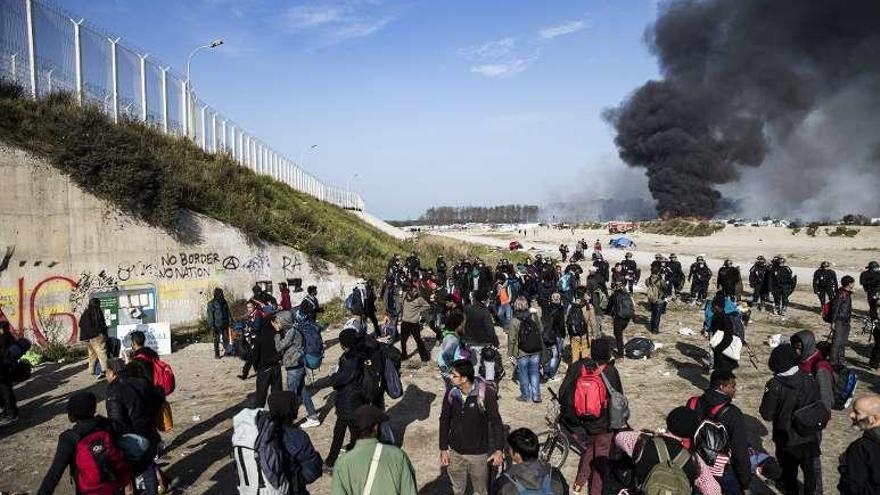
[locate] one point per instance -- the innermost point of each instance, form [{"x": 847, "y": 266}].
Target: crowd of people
[{"x": 563, "y": 323}]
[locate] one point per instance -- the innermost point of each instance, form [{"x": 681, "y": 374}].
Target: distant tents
[{"x": 621, "y": 243}]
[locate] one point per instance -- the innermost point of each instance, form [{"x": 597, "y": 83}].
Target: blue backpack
[
  {"x": 391, "y": 371},
  {"x": 565, "y": 283},
  {"x": 313, "y": 344},
  {"x": 545, "y": 489},
  {"x": 845, "y": 382}
]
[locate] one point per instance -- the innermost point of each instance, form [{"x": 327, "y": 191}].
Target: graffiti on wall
[{"x": 185, "y": 280}]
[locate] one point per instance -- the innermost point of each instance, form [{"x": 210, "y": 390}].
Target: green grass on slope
[{"x": 154, "y": 177}]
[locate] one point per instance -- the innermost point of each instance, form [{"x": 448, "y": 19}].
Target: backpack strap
[
  {"x": 693, "y": 403},
  {"x": 718, "y": 409},
  {"x": 681, "y": 459},
  {"x": 662, "y": 451},
  {"x": 374, "y": 465}
]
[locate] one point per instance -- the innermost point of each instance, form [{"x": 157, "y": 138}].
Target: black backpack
[
  {"x": 624, "y": 306},
  {"x": 530, "y": 340},
  {"x": 371, "y": 381},
  {"x": 575, "y": 323}
]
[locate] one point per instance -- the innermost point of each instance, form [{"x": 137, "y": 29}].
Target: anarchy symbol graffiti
[{"x": 231, "y": 263}]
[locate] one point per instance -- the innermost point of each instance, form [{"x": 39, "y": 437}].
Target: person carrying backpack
[
  {"x": 349, "y": 383},
  {"x": 553, "y": 324},
  {"x": 663, "y": 463},
  {"x": 411, "y": 322},
  {"x": 479, "y": 333},
  {"x": 578, "y": 330},
  {"x": 622, "y": 310},
  {"x": 585, "y": 401},
  {"x": 218, "y": 320},
  {"x": 471, "y": 431},
  {"x": 287, "y": 459},
  {"x": 290, "y": 343},
  {"x": 528, "y": 474},
  {"x": 813, "y": 362},
  {"x": 266, "y": 359},
  {"x": 93, "y": 331},
  {"x": 133, "y": 405},
  {"x": 253, "y": 323},
  {"x": 525, "y": 343},
  {"x": 725, "y": 333},
  {"x": 451, "y": 347},
  {"x": 791, "y": 402},
  {"x": 88, "y": 450},
  {"x": 372, "y": 467},
  {"x": 715, "y": 408}
]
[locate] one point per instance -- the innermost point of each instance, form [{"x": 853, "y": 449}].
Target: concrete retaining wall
[{"x": 68, "y": 245}]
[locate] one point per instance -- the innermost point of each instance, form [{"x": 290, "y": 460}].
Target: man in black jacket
[
  {"x": 93, "y": 331},
  {"x": 729, "y": 279},
  {"x": 789, "y": 390},
  {"x": 860, "y": 464},
  {"x": 722, "y": 390},
  {"x": 81, "y": 409},
  {"x": 527, "y": 470},
  {"x": 471, "y": 430},
  {"x": 309, "y": 305},
  {"x": 7, "y": 367},
  {"x": 869, "y": 279},
  {"x": 132, "y": 407},
  {"x": 265, "y": 359},
  {"x": 824, "y": 283},
  {"x": 630, "y": 270},
  {"x": 479, "y": 332},
  {"x": 699, "y": 276},
  {"x": 759, "y": 283},
  {"x": 347, "y": 382},
  {"x": 782, "y": 283}
]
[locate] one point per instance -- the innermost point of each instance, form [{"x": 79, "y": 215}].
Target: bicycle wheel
[{"x": 554, "y": 448}]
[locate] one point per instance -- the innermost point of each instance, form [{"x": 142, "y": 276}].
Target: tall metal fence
[{"x": 46, "y": 50}]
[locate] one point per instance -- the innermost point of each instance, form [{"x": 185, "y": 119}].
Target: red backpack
[
  {"x": 590, "y": 394},
  {"x": 99, "y": 467},
  {"x": 163, "y": 375}
]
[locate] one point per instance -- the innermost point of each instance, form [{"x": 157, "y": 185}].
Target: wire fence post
[
  {"x": 143, "y": 87},
  {"x": 164, "y": 99},
  {"x": 77, "y": 60},
  {"x": 115, "y": 79},
  {"x": 32, "y": 52},
  {"x": 204, "y": 134},
  {"x": 183, "y": 109}
]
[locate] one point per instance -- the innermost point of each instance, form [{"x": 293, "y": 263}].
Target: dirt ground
[{"x": 208, "y": 395}]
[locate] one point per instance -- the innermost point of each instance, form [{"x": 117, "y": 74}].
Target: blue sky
[{"x": 428, "y": 102}]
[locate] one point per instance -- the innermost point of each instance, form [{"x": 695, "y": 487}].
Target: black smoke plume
[{"x": 748, "y": 83}]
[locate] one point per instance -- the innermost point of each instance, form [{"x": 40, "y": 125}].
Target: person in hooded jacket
[
  {"x": 788, "y": 390},
  {"x": 288, "y": 460},
  {"x": 737, "y": 475},
  {"x": 595, "y": 433},
  {"x": 729, "y": 279},
  {"x": 218, "y": 321},
  {"x": 841, "y": 322},
  {"x": 528, "y": 472},
  {"x": 253, "y": 323},
  {"x": 133, "y": 405},
  {"x": 657, "y": 289},
  {"x": 676, "y": 274},
  {"x": 813, "y": 362},
  {"x": 869, "y": 279},
  {"x": 724, "y": 314},
  {"x": 290, "y": 343},
  {"x": 619, "y": 321},
  {"x": 346, "y": 382},
  {"x": 93, "y": 331},
  {"x": 603, "y": 269},
  {"x": 284, "y": 292}
]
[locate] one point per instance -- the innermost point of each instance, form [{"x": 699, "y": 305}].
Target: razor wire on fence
[{"x": 46, "y": 50}]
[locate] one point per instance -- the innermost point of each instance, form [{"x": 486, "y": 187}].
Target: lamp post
[
  {"x": 188, "y": 89},
  {"x": 303, "y": 152}
]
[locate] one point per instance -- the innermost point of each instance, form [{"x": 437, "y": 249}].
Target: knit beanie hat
[
  {"x": 682, "y": 422},
  {"x": 783, "y": 358},
  {"x": 82, "y": 405}
]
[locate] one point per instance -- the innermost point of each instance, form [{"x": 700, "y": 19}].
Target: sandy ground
[{"x": 208, "y": 395}]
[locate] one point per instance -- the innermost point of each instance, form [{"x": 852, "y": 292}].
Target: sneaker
[
  {"x": 522, "y": 399},
  {"x": 8, "y": 420},
  {"x": 242, "y": 377},
  {"x": 100, "y": 377},
  {"x": 310, "y": 423},
  {"x": 537, "y": 401}
]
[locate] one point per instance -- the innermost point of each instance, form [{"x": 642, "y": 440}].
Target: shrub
[
  {"x": 842, "y": 231},
  {"x": 682, "y": 227},
  {"x": 856, "y": 219},
  {"x": 812, "y": 229}
]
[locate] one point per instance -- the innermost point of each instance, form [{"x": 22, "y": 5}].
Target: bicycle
[
  {"x": 868, "y": 326},
  {"x": 557, "y": 441}
]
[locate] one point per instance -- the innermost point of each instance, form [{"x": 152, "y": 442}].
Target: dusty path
[{"x": 209, "y": 395}]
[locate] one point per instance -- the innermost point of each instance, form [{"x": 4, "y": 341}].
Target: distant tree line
[{"x": 448, "y": 215}]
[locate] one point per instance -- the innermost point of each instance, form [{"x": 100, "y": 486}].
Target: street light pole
[
  {"x": 303, "y": 152},
  {"x": 186, "y": 84}
]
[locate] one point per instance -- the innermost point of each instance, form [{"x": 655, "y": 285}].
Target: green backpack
[
  {"x": 600, "y": 300},
  {"x": 668, "y": 476}
]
